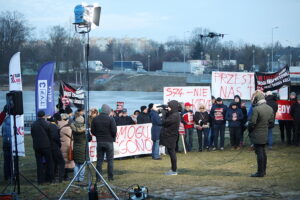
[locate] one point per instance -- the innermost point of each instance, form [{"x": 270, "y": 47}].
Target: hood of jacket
[
  {"x": 173, "y": 105},
  {"x": 78, "y": 127},
  {"x": 105, "y": 109}
]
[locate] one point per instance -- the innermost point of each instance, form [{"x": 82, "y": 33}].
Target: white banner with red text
[
  {"x": 228, "y": 84},
  {"x": 131, "y": 140},
  {"x": 195, "y": 95}
]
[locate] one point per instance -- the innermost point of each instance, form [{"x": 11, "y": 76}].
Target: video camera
[{"x": 163, "y": 107}]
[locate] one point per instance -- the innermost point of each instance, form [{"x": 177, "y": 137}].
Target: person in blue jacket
[
  {"x": 7, "y": 148},
  {"x": 234, "y": 116},
  {"x": 155, "y": 131}
]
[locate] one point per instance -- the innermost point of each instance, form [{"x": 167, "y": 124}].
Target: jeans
[
  {"x": 270, "y": 137},
  {"x": 188, "y": 137},
  {"x": 80, "y": 176},
  {"x": 108, "y": 149},
  {"x": 173, "y": 158},
  {"x": 235, "y": 133},
  {"x": 205, "y": 132},
  {"x": 261, "y": 158},
  {"x": 211, "y": 136},
  {"x": 155, "y": 149},
  {"x": 219, "y": 129}
]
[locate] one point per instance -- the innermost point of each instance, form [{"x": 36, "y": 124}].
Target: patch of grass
[{"x": 229, "y": 170}]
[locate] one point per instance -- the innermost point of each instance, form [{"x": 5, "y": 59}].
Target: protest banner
[
  {"x": 283, "y": 112},
  {"x": 131, "y": 140},
  {"x": 70, "y": 96},
  {"x": 15, "y": 84},
  {"x": 272, "y": 81},
  {"x": 194, "y": 95},
  {"x": 228, "y": 84}
]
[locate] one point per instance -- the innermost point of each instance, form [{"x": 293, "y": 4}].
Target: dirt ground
[{"x": 201, "y": 175}]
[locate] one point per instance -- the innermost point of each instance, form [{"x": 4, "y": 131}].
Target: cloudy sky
[{"x": 250, "y": 21}]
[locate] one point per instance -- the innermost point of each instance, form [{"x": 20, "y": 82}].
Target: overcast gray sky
[{"x": 250, "y": 21}]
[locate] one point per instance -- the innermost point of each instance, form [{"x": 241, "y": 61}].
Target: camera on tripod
[{"x": 162, "y": 107}]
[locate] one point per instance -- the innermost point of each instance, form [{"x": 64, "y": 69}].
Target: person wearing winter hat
[
  {"x": 144, "y": 117},
  {"x": 188, "y": 121},
  {"x": 295, "y": 112},
  {"x": 79, "y": 144},
  {"x": 262, "y": 116},
  {"x": 105, "y": 129}
]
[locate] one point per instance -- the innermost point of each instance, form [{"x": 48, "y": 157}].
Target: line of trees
[{"x": 67, "y": 48}]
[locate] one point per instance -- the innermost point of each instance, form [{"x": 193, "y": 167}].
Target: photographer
[{"x": 169, "y": 133}]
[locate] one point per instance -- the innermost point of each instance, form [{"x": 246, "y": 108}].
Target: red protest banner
[{"x": 284, "y": 107}]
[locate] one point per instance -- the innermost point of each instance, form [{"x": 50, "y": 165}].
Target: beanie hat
[
  {"x": 293, "y": 94},
  {"x": 143, "y": 108},
  {"x": 57, "y": 117},
  {"x": 150, "y": 106},
  {"x": 105, "y": 109}
]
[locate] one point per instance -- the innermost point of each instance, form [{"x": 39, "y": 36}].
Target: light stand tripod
[{"x": 87, "y": 162}]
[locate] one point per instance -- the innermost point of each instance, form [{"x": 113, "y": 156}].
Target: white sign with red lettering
[
  {"x": 194, "y": 95},
  {"x": 131, "y": 140},
  {"x": 228, "y": 84}
]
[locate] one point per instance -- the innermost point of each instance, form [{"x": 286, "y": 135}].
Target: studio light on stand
[{"x": 87, "y": 17}]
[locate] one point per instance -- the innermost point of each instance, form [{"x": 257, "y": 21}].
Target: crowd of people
[{"x": 59, "y": 141}]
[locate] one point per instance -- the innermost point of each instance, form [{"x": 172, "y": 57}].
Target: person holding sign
[
  {"x": 218, "y": 114},
  {"x": 234, "y": 116},
  {"x": 188, "y": 122},
  {"x": 295, "y": 112},
  {"x": 202, "y": 127}
]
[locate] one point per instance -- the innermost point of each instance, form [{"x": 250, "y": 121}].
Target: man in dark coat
[
  {"x": 7, "y": 148},
  {"x": 123, "y": 118},
  {"x": 155, "y": 131},
  {"x": 261, "y": 118},
  {"x": 170, "y": 132},
  {"x": 295, "y": 112},
  {"x": 105, "y": 129},
  {"x": 58, "y": 160},
  {"x": 271, "y": 101},
  {"x": 41, "y": 139},
  {"x": 143, "y": 117},
  {"x": 242, "y": 106}
]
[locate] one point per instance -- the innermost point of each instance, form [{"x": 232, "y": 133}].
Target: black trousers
[
  {"x": 172, "y": 154},
  {"x": 106, "y": 148},
  {"x": 59, "y": 163},
  {"x": 44, "y": 164},
  {"x": 235, "y": 136},
  {"x": 288, "y": 126},
  {"x": 7, "y": 169},
  {"x": 297, "y": 133},
  {"x": 261, "y": 158}
]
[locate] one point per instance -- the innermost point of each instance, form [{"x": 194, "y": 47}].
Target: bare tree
[{"x": 14, "y": 31}]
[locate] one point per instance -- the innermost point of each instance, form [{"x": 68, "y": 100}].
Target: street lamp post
[
  {"x": 253, "y": 59},
  {"x": 218, "y": 62},
  {"x": 149, "y": 63},
  {"x": 184, "y": 45},
  {"x": 272, "y": 45},
  {"x": 268, "y": 63}
]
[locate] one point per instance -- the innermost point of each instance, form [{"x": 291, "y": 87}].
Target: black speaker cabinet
[{"x": 14, "y": 102}]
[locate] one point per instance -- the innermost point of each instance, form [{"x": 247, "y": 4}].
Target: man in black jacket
[
  {"x": 105, "y": 129},
  {"x": 123, "y": 118},
  {"x": 271, "y": 101},
  {"x": 143, "y": 117},
  {"x": 58, "y": 160},
  {"x": 41, "y": 138},
  {"x": 295, "y": 112}
]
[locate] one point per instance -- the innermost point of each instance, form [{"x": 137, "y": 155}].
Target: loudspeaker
[{"x": 14, "y": 102}]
